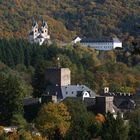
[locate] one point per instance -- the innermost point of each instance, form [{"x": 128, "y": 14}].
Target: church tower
[
  {"x": 44, "y": 30},
  {"x": 35, "y": 30}
]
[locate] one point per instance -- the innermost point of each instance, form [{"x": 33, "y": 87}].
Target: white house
[
  {"x": 76, "y": 40},
  {"x": 99, "y": 44},
  {"x": 39, "y": 35}
]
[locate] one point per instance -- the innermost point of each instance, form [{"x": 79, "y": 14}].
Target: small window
[
  {"x": 72, "y": 92},
  {"x": 66, "y": 92}
]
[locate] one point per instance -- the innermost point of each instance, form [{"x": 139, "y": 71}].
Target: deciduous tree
[{"x": 53, "y": 118}]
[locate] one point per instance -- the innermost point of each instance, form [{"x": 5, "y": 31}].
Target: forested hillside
[
  {"x": 66, "y": 18},
  {"x": 92, "y": 68},
  {"x": 23, "y": 66}
]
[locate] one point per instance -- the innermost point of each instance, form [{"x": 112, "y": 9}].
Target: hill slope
[{"x": 92, "y": 18}]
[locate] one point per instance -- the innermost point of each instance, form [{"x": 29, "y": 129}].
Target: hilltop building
[
  {"x": 39, "y": 35},
  {"x": 99, "y": 44},
  {"x": 59, "y": 84},
  {"x": 60, "y": 89},
  {"x": 124, "y": 101}
]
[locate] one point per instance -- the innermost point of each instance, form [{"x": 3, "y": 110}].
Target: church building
[{"x": 39, "y": 35}]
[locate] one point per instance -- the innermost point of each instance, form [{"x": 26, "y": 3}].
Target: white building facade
[
  {"x": 100, "y": 44},
  {"x": 39, "y": 35}
]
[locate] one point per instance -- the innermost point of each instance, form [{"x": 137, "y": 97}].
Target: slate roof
[
  {"x": 69, "y": 91},
  {"x": 44, "y": 24},
  {"x": 86, "y": 40},
  {"x": 116, "y": 40},
  {"x": 102, "y": 40},
  {"x": 34, "y": 24}
]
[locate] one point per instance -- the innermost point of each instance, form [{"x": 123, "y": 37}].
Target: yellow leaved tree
[
  {"x": 1, "y": 130},
  {"x": 53, "y": 120}
]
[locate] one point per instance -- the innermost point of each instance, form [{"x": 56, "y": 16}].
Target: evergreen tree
[
  {"x": 11, "y": 96},
  {"x": 114, "y": 128},
  {"x": 83, "y": 123},
  {"x": 39, "y": 83},
  {"x": 134, "y": 121}
]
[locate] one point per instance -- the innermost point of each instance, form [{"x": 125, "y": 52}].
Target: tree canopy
[
  {"x": 53, "y": 119},
  {"x": 12, "y": 92}
]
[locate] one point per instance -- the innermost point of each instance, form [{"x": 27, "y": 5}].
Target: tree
[
  {"x": 25, "y": 135},
  {"x": 53, "y": 119},
  {"x": 39, "y": 79},
  {"x": 92, "y": 27},
  {"x": 134, "y": 122},
  {"x": 114, "y": 129},
  {"x": 130, "y": 23},
  {"x": 12, "y": 91},
  {"x": 100, "y": 118},
  {"x": 1, "y": 130},
  {"x": 83, "y": 123},
  {"x": 19, "y": 121}
]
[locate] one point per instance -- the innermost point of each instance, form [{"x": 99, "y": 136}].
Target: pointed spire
[
  {"x": 44, "y": 24},
  {"x": 34, "y": 23}
]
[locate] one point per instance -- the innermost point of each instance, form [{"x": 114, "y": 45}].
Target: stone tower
[
  {"x": 58, "y": 76},
  {"x": 104, "y": 104}
]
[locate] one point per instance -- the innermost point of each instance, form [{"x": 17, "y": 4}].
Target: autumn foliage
[
  {"x": 100, "y": 118},
  {"x": 53, "y": 117}
]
